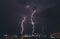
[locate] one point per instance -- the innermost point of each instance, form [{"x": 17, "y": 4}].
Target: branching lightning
[
  {"x": 31, "y": 19},
  {"x": 22, "y": 24},
  {"x": 32, "y": 14},
  {"x": 33, "y": 11},
  {"x": 32, "y": 22}
]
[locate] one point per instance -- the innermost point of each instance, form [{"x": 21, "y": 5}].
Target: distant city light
[{"x": 53, "y": 35}]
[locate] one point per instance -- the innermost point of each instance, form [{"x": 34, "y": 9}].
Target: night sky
[{"x": 12, "y": 11}]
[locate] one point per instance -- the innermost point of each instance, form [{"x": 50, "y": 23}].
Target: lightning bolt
[
  {"x": 22, "y": 24},
  {"x": 32, "y": 22},
  {"x": 34, "y": 10}
]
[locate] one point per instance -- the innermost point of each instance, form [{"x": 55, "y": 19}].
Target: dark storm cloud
[
  {"x": 11, "y": 11},
  {"x": 46, "y": 3},
  {"x": 42, "y": 3}
]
